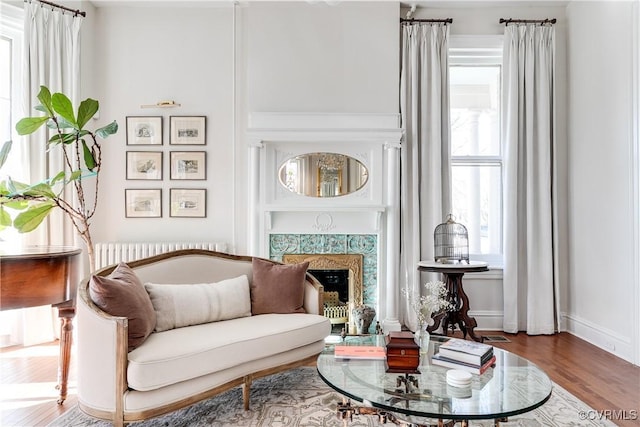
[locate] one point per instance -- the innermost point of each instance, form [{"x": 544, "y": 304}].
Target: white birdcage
[{"x": 451, "y": 242}]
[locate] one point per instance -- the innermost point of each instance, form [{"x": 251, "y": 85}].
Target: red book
[{"x": 359, "y": 352}]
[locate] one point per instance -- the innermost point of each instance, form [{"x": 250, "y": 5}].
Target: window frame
[
  {"x": 480, "y": 51},
  {"x": 12, "y": 29}
]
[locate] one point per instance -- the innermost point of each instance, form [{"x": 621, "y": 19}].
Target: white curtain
[
  {"x": 425, "y": 160},
  {"x": 530, "y": 272},
  {"x": 51, "y": 53}
]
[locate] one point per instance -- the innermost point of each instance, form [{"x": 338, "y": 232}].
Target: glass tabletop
[{"x": 513, "y": 386}]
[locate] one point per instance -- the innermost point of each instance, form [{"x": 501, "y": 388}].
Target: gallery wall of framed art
[{"x": 149, "y": 159}]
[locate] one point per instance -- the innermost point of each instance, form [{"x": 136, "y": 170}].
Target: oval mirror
[{"x": 323, "y": 174}]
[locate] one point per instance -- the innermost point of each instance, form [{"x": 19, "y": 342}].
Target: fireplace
[
  {"x": 331, "y": 266},
  {"x": 334, "y": 281},
  {"x": 362, "y": 222}
]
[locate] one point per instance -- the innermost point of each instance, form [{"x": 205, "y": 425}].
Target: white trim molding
[
  {"x": 488, "y": 320},
  {"x": 492, "y": 274},
  {"x": 635, "y": 176},
  {"x": 601, "y": 337}
]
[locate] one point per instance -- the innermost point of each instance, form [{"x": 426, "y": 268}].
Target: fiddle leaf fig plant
[{"x": 82, "y": 154}]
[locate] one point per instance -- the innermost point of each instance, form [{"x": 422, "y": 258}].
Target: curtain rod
[
  {"x": 527, "y": 21},
  {"x": 76, "y": 12},
  {"x": 410, "y": 20}
]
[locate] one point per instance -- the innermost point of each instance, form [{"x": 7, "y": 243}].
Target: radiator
[{"x": 113, "y": 253}]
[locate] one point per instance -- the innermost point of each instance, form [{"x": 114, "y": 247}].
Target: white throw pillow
[{"x": 192, "y": 304}]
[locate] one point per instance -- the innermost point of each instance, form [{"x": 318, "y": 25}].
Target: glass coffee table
[{"x": 513, "y": 386}]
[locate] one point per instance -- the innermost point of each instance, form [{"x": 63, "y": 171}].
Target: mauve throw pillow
[
  {"x": 122, "y": 294},
  {"x": 277, "y": 288}
]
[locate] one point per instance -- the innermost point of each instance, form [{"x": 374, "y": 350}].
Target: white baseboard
[
  {"x": 488, "y": 320},
  {"x": 610, "y": 341},
  {"x": 601, "y": 337}
]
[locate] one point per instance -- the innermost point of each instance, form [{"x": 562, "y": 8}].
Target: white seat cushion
[{"x": 181, "y": 354}]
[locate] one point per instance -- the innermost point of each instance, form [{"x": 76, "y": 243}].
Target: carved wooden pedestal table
[
  {"x": 40, "y": 275},
  {"x": 452, "y": 274}
]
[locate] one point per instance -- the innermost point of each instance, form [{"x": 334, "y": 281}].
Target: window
[
  {"x": 5, "y": 87},
  {"x": 476, "y": 149},
  {"x": 10, "y": 98}
]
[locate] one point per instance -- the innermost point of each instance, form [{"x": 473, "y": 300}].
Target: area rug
[{"x": 300, "y": 398}]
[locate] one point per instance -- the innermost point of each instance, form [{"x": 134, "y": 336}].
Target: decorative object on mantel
[
  {"x": 82, "y": 154},
  {"x": 162, "y": 104},
  {"x": 451, "y": 242}
]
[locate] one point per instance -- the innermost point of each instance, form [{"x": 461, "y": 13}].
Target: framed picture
[
  {"x": 143, "y": 203},
  {"x": 144, "y": 130},
  {"x": 188, "y": 130},
  {"x": 144, "y": 165},
  {"x": 188, "y": 165},
  {"x": 188, "y": 202}
]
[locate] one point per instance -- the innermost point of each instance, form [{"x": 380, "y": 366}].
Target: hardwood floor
[
  {"x": 28, "y": 376},
  {"x": 603, "y": 381}
]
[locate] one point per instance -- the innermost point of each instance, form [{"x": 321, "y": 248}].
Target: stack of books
[{"x": 465, "y": 355}]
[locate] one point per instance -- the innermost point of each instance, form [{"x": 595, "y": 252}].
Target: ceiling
[{"x": 403, "y": 3}]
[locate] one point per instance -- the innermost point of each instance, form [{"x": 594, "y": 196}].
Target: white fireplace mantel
[{"x": 372, "y": 139}]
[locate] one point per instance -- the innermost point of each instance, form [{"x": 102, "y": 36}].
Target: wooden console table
[
  {"x": 32, "y": 276},
  {"x": 452, "y": 274}
]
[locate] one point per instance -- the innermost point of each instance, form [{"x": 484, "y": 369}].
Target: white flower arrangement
[{"x": 425, "y": 305}]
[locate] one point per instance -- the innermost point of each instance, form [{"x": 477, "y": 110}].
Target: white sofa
[{"x": 179, "y": 367}]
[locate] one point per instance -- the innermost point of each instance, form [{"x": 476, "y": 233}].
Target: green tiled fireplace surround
[{"x": 365, "y": 244}]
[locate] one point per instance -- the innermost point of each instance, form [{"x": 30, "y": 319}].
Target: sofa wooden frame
[{"x": 119, "y": 417}]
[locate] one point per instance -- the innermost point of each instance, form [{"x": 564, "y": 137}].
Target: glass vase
[{"x": 422, "y": 338}]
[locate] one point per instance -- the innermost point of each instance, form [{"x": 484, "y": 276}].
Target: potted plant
[{"x": 82, "y": 156}]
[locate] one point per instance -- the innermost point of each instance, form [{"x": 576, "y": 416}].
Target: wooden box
[{"x": 403, "y": 354}]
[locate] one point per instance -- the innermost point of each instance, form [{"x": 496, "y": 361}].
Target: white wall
[
  {"x": 323, "y": 58},
  {"x": 313, "y": 57},
  {"x": 289, "y": 57},
  {"x": 601, "y": 306},
  {"x": 143, "y": 55}
]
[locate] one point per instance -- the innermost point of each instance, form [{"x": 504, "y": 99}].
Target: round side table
[{"x": 452, "y": 274}]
